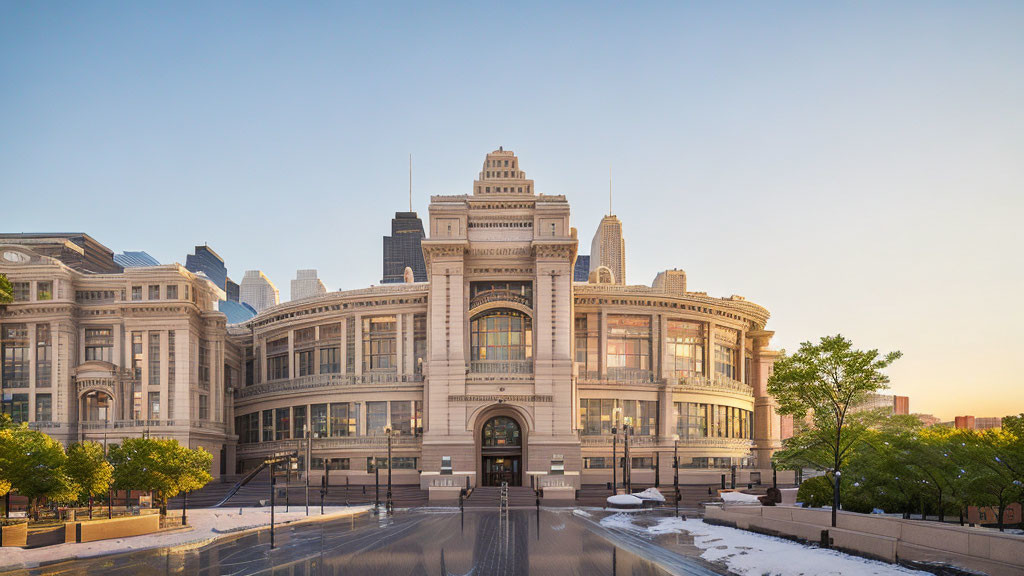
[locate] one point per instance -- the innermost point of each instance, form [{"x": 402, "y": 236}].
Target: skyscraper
[
  {"x": 581, "y": 272},
  {"x": 608, "y": 248},
  {"x": 135, "y": 259},
  {"x": 402, "y": 249},
  {"x": 231, "y": 287},
  {"x": 210, "y": 263},
  {"x": 307, "y": 285},
  {"x": 258, "y": 291}
]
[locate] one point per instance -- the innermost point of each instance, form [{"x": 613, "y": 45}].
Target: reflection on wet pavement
[{"x": 434, "y": 542}]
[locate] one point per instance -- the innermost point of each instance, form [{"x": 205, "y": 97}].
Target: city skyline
[{"x": 877, "y": 201}]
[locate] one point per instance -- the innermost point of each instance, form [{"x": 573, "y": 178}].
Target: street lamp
[
  {"x": 627, "y": 474},
  {"x": 389, "y": 507},
  {"x": 309, "y": 455},
  {"x": 615, "y": 461},
  {"x": 675, "y": 466}
]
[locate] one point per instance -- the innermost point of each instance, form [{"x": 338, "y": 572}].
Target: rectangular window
[
  {"x": 204, "y": 407},
  {"x": 154, "y": 405},
  {"x": 580, "y": 336},
  {"x": 22, "y": 291},
  {"x": 642, "y": 462},
  {"x": 204, "y": 364},
  {"x": 304, "y": 363},
  {"x": 642, "y": 414},
  {"x": 597, "y": 416},
  {"x": 379, "y": 344},
  {"x": 726, "y": 353},
  {"x": 136, "y": 292},
  {"x": 597, "y": 463},
  {"x": 350, "y": 346},
  {"x": 330, "y": 360},
  {"x": 14, "y": 342},
  {"x": 172, "y": 291},
  {"x": 298, "y": 422},
  {"x": 277, "y": 367},
  {"x": 629, "y": 347},
  {"x": 99, "y": 344},
  {"x": 268, "y": 425},
  {"x": 397, "y": 463},
  {"x": 44, "y": 408},
  {"x": 44, "y": 356},
  {"x": 419, "y": 341},
  {"x": 154, "y": 359},
  {"x": 171, "y": 375},
  {"x": 283, "y": 424},
  {"x": 318, "y": 420},
  {"x": 44, "y": 290},
  {"x": 685, "y": 343},
  {"x": 16, "y": 406},
  {"x": 154, "y": 292},
  {"x": 376, "y": 417},
  {"x": 344, "y": 419},
  {"x": 401, "y": 417}
]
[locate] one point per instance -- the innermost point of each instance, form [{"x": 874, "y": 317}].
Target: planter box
[
  {"x": 86, "y": 531},
  {"x": 14, "y": 535}
]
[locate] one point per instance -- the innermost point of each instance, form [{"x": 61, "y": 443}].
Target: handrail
[
  {"x": 503, "y": 504},
  {"x": 245, "y": 479}
]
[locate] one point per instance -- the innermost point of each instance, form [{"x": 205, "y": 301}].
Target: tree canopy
[
  {"x": 88, "y": 469},
  {"x": 33, "y": 463},
  {"x": 6, "y": 290},
  {"x": 160, "y": 465}
]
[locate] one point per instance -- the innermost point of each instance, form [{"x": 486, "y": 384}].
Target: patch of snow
[
  {"x": 753, "y": 554},
  {"x": 625, "y": 500},
  {"x": 671, "y": 525},
  {"x": 739, "y": 498},
  {"x": 650, "y": 494},
  {"x": 206, "y": 524},
  {"x": 583, "y": 513}
]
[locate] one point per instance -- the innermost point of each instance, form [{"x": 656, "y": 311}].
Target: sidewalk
[{"x": 205, "y": 525}]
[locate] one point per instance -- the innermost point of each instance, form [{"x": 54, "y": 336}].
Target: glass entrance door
[{"x": 498, "y": 469}]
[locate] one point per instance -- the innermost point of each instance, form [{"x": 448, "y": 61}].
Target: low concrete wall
[
  {"x": 428, "y": 479},
  {"x": 560, "y": 493},
  {"x": 443, "y": 493},
  {"x": 883, "y": 537},
  {"x": 90, "y": 531},
  {"x": 14, "y": 535}
]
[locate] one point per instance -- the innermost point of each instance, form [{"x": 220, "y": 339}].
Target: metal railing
[
  {"x": 652, "y": 441},
  {"x": 717, "y": 383},
  {"x": 320, "y": 381},
  {"x": 620, "y": 375},
  {"x": 501, "y": 367},
  {"x": 378, "y": 442}
]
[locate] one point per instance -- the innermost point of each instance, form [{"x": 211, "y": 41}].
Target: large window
[
  {"x": 204, "y": 364},
  {"x": 642, "y": 415},
  {"x": 16, "y": 406},
  {"x": 44, "y": 408},
  {"x": 501, "y": 431},
  {"x": 21, "y": 291},
  {"x": 304, "y": 362},
  {"x": 502, "y": 335},
  {"x": 402, "y": 417},
  {"x": 268, "y": 425},
  {"x": 277, "y": 367},
  {"x": 44, "y": 356},
  {"x": 581, "y": 335},
  {"x": 376, "y": 417},
  {"x": 171, "y": 376},
  {"x": 154, "y": 405},
  {"x": 330, "y": 360},
  {"x": 629, "y": 345},
  {"x": 597, "y": 415},
  {"x": 154, "y": 359},
  {"x": 44, "y": 290},
  {"x": 204, "y": 407},
  {"x": 344, "y": 419},
  {"x": 299, "y": 422},
  {"x": 283, "y": 426},
  {"x": 419, "y": 341},
  {"x": 685, "y": 348},
  {"x": 96, "y": 407},
  {"x": 712, "y": 421},
  {"x": 136, "y": 358},
  {"x": 318, "y": 419},
  {"x": 726, "y": 353},
  {"x": 99, "y": 344},
  {"x": 379, "y": 344},
  {"x": 14, "y": 341},
  {"x": 247, "y": 427}
]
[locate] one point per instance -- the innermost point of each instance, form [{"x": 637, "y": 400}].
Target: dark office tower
[
  {"x": 232, "y": 289},
  {"x": 135, "y": 260},
  {"x": 207, "y": 261},
  {"x": 402, "y": 249},
  {"x": 581, "y": 273}
]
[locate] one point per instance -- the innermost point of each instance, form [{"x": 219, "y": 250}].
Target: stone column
[
  {"x": 291, "y": 354},
  {"x": 359, "y": 346},
  {"x": 399, "y": 345},
  {"x": 343, "y": 347},
  {"x": 602, "y": 351}
]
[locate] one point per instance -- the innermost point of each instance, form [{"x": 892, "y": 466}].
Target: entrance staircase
[{"x": 489, "y": 497}]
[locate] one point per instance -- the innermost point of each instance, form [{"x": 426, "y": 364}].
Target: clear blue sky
[{"x": 854, "y": 167}]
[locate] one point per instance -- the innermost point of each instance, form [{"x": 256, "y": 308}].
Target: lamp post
[
  {"x": 309, "y": 454},
  {"x": 615, "y": 461},
  {"x": 675, "y": 466},
  {"x": 389, "y": 507},
  {"x": 627, "y": 474},
  {"x": 835, "y": 498}
]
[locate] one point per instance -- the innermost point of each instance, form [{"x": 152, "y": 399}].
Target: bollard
[{"x": 826, "y": 541}]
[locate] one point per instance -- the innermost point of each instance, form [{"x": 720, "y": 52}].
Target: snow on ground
[
  {"x": 753, "y": 554},
  {"x": 739, "y": 498},
  {"x": 206, "y": 523}
]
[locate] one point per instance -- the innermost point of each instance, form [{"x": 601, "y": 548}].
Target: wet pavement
[{"x": 436, "y": 542}]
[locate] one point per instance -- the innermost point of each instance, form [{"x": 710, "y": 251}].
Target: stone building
[{"x": 499, "y": 367}]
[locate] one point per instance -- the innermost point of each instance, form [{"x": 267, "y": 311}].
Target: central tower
[{"x": 498, "y": 390}]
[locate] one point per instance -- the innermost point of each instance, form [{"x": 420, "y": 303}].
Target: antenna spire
[{"x": 410, "y": 181}]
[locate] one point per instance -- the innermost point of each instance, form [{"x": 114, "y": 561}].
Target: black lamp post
[
  {"x": 309, "y": 455},
  {"x": 675, "y": 466},
  {"x": 627, "y": 473},
  {"x": 835, "y": 498},
  {"x": 615, "y": 460},
  {"x": 389, "y": 507}
]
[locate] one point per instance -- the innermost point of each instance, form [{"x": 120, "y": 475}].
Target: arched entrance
[{"x": 501, "y": 452}]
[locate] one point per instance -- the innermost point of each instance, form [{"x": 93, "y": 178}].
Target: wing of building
[{"x": 498, "y": 368}]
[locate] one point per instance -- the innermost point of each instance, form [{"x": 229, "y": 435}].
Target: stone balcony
[
  {"x": 605, "y": 440},
  {"x": 327, "y": 381},
  {"x": 701, "y": 383},
  {"x": 620, "y": 376},
  {"x": 501, "y": 367}
]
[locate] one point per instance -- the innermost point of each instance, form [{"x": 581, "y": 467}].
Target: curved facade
[{"x": 501, "y": 368}]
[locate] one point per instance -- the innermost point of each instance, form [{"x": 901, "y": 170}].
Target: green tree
[
  {"x": 6, "y": 290},
  {"x": 1014, "y": 425},
  {"x": 159, "y": 465},
  {"x": 33, "y": 464},
  {"x": 89, "y": 470},
  {"x": 822, "y": 382}
]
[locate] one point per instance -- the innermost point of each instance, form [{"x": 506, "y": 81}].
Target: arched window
[
  {"x": 501, "y": 335},
  {"x": 501, "y": 431}
]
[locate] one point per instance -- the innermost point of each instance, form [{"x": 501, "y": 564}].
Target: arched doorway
[{"x": 501, "y": 452}]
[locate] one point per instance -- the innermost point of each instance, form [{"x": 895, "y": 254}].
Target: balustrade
[
  {"x": 320, "y": 381},
  {"x": 501, "y": 367}
]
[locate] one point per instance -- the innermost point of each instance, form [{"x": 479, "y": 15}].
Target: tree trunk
[
  {"x": 1002, "y": 508},
  {"x": 961, "y": 515},
  {"x": 942, "y": 511}
]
